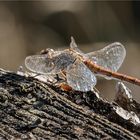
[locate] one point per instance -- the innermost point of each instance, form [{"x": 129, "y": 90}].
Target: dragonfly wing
[
  {"x": 49, "y": 65},
  {"x": 111, "y": 57},
  {"x": 62, "y": 61},
  {"x": 79, "y": 77},
  {"x": 74, "y": 46},
  {"x": 39, "y": 64}
]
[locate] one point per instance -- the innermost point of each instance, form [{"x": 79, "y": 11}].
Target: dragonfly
[{"x": 82, "y": 68}]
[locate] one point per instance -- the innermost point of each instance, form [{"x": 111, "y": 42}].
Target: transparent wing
[
  {"x": 111, "y": 57},
  {"x": 46, "y": 65},
  {"x": 79, "y": 77},
  {"x": 62, "y": 61},
  {"x": 74, "y": 46},
  {"x": 39, "y": 64}
]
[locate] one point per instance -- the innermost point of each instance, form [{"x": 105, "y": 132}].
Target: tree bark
[{"x": 31, "y": 109}]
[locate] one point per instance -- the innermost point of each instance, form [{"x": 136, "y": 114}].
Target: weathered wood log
[{"x": 31, "y": 109}]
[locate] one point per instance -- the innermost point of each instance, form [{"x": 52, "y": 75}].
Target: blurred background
[{"x": 28, "y": 27}]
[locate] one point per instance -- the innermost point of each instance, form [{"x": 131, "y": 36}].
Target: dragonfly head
[
  {"x": 46, "y": 51},
  {"x": 49, "y": 52}
]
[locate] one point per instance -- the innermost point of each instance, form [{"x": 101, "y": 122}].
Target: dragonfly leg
[
  {"x": 96, "y": 91},
  {"x": 61, "y": 77},
  {"x": 58, "y": 78},
  {"x": 63, "y": 73},
  {"x": 65, "y": 87}
]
